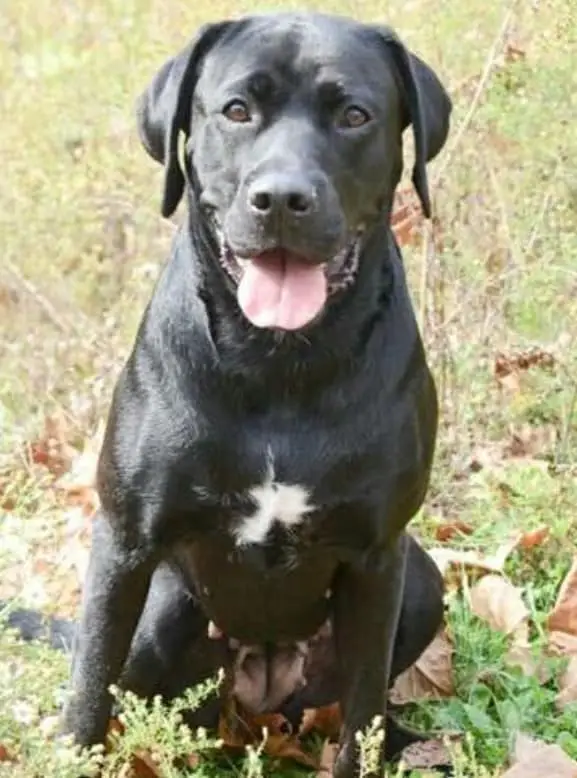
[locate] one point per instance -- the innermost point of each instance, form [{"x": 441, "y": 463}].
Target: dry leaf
[
  {"x": 52, "y": 449},
  {"x": 4, "y": 755},
  {"x": 529, "y": 441},
  {"x": 429, "y": 753},
  {"x": 563, "y": 618},
  {"x": 499, "y": 603},
  {"x": 565, "y": 644},
  {"x": 326, "y": 721},
  {"x": 143, "y": 766},
  {"x": 451, "y": 562},
  {"x": 431, "y": 677},
  {"x": 505, "y": 364},
  {"x": 451, "y": 529},
  {"x": 406, "y": 217},
  {"x": 280, "y": 742},
  {"x": 328, "y": 759},
  {"x": 562, "y": 644},
  {"x": 513, "y": 52},
  {"x": 535, "y": 537},
  {"x": 79, "y": 482},
  {"x": 534, "y": 759},
  {"x": 568, "y": 685}
]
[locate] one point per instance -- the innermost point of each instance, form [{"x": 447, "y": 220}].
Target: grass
[{"x": 82, "y": 241}]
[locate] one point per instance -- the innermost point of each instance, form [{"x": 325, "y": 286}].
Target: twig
[
  {"x": 481, "y": 86},
  {"x": 453, "y": 145},
  {"x": 46, "y": 306},
  {"x": 540, "y": 218}
]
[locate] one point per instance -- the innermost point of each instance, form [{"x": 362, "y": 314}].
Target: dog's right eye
[{"x": 237, "y": 111}]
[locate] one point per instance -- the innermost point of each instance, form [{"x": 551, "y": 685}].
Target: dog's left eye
[
  {"x": 237, "y": 111},
  {"x": 354, "y": 117}
]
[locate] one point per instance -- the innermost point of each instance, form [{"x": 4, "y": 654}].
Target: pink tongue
[{"x": 281, "y": 291}]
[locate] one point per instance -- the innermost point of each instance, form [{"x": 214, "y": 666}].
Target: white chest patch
[{"x": 287, "y": 504}]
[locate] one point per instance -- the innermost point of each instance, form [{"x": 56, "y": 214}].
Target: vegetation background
[{"x": 494, "y": 284}]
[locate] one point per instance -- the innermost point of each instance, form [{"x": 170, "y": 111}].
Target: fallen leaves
[
  {"x": 237, "y": 729},
  {"x": 78, "y": 483},
  {"x": 326, "y": 720},
  {"x": 453, "y": 562},
  {"x": 563, "y": 617},
  {"x": 449, "y": 530},
  {"x": 535, "y": 537},
  {"x": 562, "y": 623},
  {"x": 52, "y": 449},
  {"x": 48, "y": 554},
  {"x": 499, "y": 603},
  {"x": 534, "y": 759},
  {"x": 426, "y": 755},
  {"x": 431, "y": 677},
  {"x": 508, "y": 369}
]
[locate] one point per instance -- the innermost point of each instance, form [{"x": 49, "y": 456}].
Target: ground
[{"x": 494, "y": 286}]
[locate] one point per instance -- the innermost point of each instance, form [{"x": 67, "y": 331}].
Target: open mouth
[{"x": 280, "y": 289}]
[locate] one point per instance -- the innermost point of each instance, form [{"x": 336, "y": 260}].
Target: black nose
[{"x": 284, "y": 195}]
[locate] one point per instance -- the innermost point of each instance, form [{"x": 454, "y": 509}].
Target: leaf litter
[{"x": 72, "y": 470}]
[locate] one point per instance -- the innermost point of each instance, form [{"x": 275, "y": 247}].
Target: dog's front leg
[
  {"x": 367, "y": 605},
  {"x": 115, "y": 591}
]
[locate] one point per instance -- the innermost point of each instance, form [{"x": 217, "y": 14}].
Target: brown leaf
[
  {"x": 78, "y": 484},
  {"x": 535, "y": 537},
  {"x": 4, "y": 755},
  {"x": 326, "y": 721},
  {"x": 430, "y": 753},
  {"x": 407, "y": 218},
  {"x": 143, "y": 766},
  {"x": 451, "y": 529},
  {"x": 534, "y": 759},
  {"x": 530, "y": 441},
  {"x": 52, "y": 448},
  {"x": 563, "y": 618},
  {"x": 431, "y": 677},
  {"x": 514, "y": 52},
  {"x": 284, "y": 747},
  {"x": 237, "y": 729}
]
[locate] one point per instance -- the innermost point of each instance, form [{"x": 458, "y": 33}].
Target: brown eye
[
  {"x": 354, "y": 117},
  {"x": 237, "y": 111}
]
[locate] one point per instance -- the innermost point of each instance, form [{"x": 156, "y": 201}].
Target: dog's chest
[
  {"x": 287, "y": 485},
  {"x": 271, "y": 503},
  {"x": 253, "y": 499}
]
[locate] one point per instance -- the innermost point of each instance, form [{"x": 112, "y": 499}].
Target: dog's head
[{"x": 293, "y": 127}]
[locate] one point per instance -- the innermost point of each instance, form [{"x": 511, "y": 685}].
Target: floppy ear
[
  {"x": 427, "y": 107},
  {"x": 164, "y": 109}
]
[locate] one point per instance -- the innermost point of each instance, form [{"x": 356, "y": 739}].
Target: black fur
[{"x": 345, "y": 408}]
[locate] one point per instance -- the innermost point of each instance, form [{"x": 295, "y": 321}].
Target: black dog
[
  {"x": 173, "y": 649},
  {"x": 273, "y": 430}
]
